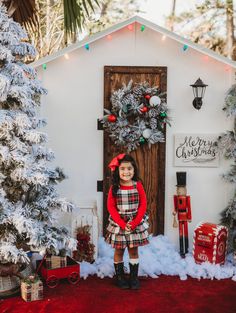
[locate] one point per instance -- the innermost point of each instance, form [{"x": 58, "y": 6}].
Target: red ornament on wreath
[
  {"x": 144, "y": 109},
  {"x": 112, "y": 118},
  {"x": 147, "y": 97}
]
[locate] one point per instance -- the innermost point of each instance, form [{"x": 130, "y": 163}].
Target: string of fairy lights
[{"x": 130, "y": 27}]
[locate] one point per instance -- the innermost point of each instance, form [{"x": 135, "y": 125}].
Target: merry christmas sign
[{"x": 196, "y": 150}]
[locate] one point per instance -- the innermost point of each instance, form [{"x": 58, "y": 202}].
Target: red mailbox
[{"x": 209, "y": 243}]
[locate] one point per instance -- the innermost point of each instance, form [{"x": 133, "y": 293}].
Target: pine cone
[{"x": 153, "y": 123}]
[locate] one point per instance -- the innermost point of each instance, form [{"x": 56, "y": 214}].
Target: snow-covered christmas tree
[
  {"x": 28, "y": 194},
  {"x": 227, "y": 144}
]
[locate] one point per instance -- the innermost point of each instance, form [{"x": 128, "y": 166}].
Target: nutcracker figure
[{"x": 182, "y": 208}]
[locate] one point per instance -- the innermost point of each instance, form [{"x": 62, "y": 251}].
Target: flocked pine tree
[
  {"x": 28, "y": 194},
  {"x": 227, "y": 144}
]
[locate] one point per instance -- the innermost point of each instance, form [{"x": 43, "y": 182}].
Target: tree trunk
[
  {"x": 172, "y": 16},
  {"x": 48, "y": 22},
  {"x": 230, "y": 44}
]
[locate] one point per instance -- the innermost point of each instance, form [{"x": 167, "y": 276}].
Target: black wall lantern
[{"x": 198, "y": 91}]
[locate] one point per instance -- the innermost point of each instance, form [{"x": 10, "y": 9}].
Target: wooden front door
[{"x": 150, "y": 161}]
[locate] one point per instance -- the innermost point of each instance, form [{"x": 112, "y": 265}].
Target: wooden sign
[{"x": 196, "y": 150}]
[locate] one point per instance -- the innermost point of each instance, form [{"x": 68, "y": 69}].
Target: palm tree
[
  {"x": 75, "y": 13},
  {"x": 23, "y": 12}
]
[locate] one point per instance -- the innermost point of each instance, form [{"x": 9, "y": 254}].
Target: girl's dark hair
[{"x": 116, "y": 176}]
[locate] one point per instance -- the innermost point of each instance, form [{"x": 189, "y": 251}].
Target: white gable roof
[{"x": 125, "y": 23}]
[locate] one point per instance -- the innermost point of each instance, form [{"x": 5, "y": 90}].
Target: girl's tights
[{"x": 119, "y": 253}]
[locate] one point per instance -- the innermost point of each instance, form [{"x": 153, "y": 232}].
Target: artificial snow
[{"x": 159, "y": 257}]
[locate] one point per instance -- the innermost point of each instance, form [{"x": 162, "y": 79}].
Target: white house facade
[{"x": 74, "y": 79}]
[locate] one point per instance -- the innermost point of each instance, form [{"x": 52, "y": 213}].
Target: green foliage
[
  {"x": 68, "y": 16},
  {"x": 208, "y": 25},
  {"x": 71, "y": 17},
  {"x": 227, "y": 144},
  {"x": 75, "y": 13},
  {"x": 230, "y": 101},
  {"x": 111, "y": 12}
]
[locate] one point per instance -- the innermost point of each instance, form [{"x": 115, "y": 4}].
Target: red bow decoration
[{"x": 115, "y": 161}]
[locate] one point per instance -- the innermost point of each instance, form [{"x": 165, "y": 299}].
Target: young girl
[{"x": 128, "y": 226}]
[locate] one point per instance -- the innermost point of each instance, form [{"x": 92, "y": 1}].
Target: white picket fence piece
[{"x": 87, "y": 215}]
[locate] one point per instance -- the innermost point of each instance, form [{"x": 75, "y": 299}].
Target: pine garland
[
  {"x": 138, "y": 116},
  {"x": 227, "y": 144}
]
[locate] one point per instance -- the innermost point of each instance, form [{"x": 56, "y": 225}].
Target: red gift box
[{"x": 209, "y": 243}]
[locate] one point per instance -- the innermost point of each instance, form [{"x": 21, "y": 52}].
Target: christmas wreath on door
[{"x": 138, "y": 115}]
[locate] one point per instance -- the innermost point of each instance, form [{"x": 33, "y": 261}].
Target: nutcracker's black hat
[{"x": 181, "y": 179}]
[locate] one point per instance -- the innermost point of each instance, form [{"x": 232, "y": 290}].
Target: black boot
[
  {"x": 134, "y": 282},
  {"x": 120, "y": 276}
]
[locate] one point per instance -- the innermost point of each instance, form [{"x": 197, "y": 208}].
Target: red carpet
[{"x": 163, "y": 295}]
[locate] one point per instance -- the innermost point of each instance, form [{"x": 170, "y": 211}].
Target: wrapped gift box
[
  {"x": 55, "y": 261},
  {"x": 32, "y": 289},
  {"x": 209, "y": 243}
]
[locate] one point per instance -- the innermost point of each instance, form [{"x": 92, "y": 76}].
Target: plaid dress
[{"x": 127, "y": 202}]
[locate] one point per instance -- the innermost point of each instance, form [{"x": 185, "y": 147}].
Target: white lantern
[{"x": 154, "y": 100}]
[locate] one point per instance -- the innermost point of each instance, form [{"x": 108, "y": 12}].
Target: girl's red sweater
[{"x": 112, "y": 208}]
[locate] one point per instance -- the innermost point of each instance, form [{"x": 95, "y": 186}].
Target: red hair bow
[{"x": 115, "y": 161}]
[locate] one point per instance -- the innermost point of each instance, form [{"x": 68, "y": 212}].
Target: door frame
[{"x": 160, "y": 208}]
